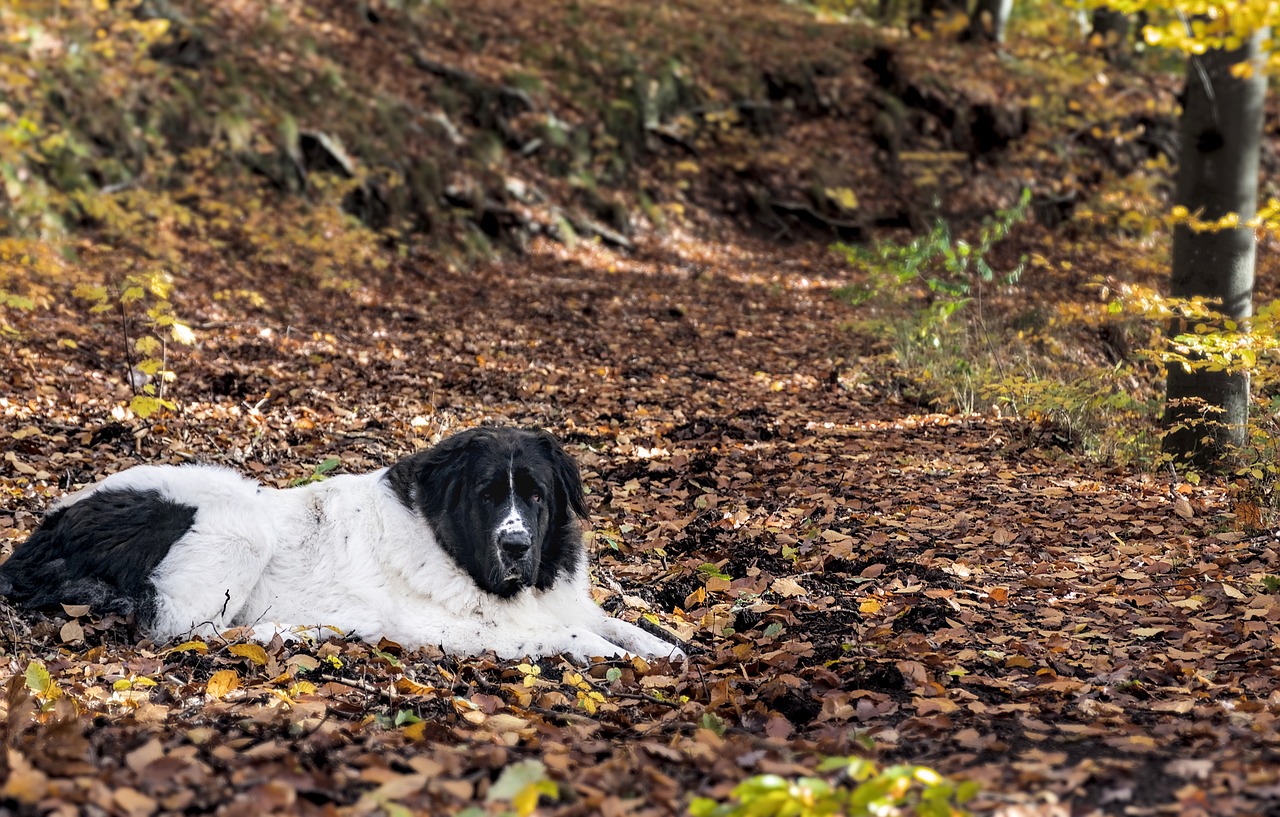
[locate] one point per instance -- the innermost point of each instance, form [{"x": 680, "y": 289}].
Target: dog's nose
[{"x": 515, "y": 545}]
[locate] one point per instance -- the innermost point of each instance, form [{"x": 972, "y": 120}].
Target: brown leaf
[
  {"x": 1183, "y": 508},
  {"x": 134, "y": 803},
  {"x": 71, "y": 632},
  {"x": 145, "y": 755},
  {"x": 24, "y": 784},
  {"x": 789, "y": 588},
  {"x": 778, "y": 728}
]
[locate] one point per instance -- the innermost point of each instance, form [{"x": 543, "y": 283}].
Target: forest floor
[
  {"x": 1062, "y": 632},
  {"x": 846, "y": 556}
]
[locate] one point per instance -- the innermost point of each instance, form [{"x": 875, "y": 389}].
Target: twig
[
  {"x": 128, "y": 355},
  {"x": 164, "y": 365},
  {"x": 363, "y": 686},
  {"x": 554, "y": 713},
  {"x": 629, "y": 696}
]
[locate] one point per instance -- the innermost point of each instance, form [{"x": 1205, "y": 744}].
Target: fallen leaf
[
  {"x": 1232, "y": 592},
  {"x": 1189, "y": 768},
  {"x": 144, "y": 755},
  {"x": 1183, "y": 508},
  {"x": 24, "y": 783},
  {"x": 133, "y": 802},
  {"x": 222, "y": 682},
  {"x": 789, "y": 588},
  {"x": 254, "y": 652},
  {"x": 188, "y": 646},
  {"x": 71, "y": 633}
]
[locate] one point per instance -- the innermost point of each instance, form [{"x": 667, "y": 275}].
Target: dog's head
[{"x": 504, "y": 503}]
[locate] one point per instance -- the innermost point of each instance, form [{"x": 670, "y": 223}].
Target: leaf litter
[
  {"x": 1078, "y": 638},
  {"x": 841, "y": 564}
]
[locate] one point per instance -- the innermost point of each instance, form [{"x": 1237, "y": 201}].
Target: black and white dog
[{"x": 472, "y": 545}]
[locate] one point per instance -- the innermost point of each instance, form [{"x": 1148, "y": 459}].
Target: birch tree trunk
[
  {"x": 1206, "y": 413},
  {"x": 990, "y": 17}
]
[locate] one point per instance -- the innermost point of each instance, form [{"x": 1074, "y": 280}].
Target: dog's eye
[{"x": 536, "y": 497}]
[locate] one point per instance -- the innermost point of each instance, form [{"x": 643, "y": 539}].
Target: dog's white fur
[{"x": 345, "y": 553}]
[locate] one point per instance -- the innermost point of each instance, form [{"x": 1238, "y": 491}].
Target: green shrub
[{"x": 860, "y": 787}]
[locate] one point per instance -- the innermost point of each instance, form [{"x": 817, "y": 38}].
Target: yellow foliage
[{"x": 1197, "y": 26}]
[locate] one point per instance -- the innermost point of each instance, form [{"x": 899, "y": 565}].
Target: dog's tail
[{"x": 99, "y": 551}]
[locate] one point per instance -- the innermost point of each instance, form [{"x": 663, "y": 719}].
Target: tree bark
[
  {"x": 989, "y": 20},
  {"x": 1206, "y": 413}
]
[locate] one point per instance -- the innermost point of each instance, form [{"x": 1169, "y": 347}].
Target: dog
[{"x": 472, "y": 545}]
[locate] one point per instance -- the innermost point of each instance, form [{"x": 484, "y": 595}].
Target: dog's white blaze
[{"x": 513, "y": 523}]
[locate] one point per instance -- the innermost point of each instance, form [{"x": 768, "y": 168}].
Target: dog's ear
[
  {"x": 430, "y": 480},
  {"x": 568, "y": 480},
  {"x": 442, "y": 471}
]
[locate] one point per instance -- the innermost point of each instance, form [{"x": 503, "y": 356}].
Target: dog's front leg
[
  {"x": 637, "y": 641},
  {"x": 582, "y": 645}
]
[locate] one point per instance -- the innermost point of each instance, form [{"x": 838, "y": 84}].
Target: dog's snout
[{"x": 515, "y": 544}]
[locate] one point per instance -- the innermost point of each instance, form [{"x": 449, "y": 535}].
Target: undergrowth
[
  {"x": 854, "y": 787},
  {"x": 964, "y": 337}
]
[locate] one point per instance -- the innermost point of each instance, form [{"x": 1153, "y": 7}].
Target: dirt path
[{"x": 843, "y": 563}]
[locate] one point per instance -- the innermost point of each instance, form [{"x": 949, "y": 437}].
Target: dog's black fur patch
[
  {"x": 461, "y": 486},
  {"x": 100, "y": 551}
]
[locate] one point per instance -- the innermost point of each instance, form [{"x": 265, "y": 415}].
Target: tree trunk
[
  {"x": 1206, "y": 413},
  {"x": 989, "y": 20}
]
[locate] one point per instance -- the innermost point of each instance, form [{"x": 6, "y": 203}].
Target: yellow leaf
[
  {"x": 188, "y": 646},
  {"x": 253, "y": 652},
  {"x": 89, "y": 292},
  {"x": 406, "y": 686},
  {"x": 147, "y": 345},
  {"x": 222, "y": 682},
  {"x": 416, "y": 731},
  {"x": 152, "y": 29},
  {"x": 869, "y": 607},
  {"x": 843, "y": 197},
  {"x": 38, "y": 679},
  {"x": 144, "y": 405},
  {"x": 526, "y": 802},
  {"x": 302, "y": 688},
  {"x": 182, "y": 334}
]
